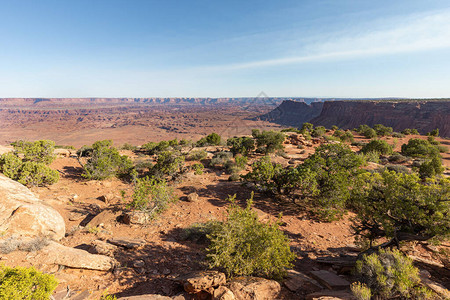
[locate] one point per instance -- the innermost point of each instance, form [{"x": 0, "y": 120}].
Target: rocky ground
[{"x": 149, "y": 259}]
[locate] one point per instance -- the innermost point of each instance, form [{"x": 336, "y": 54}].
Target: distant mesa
[{"x": 423, "y": 115}]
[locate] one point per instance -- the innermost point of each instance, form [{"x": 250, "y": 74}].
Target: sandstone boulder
[
  {"x": 23, "y": 214},
  {"x": 201, "y": 281},
  {"x": 254, "y": 288},
  {"x": 58, "y": 254},
  {"x": 192, "y": 197},
  {"x": 104, "y": 248},
  {"x": 136, "y": 217}
]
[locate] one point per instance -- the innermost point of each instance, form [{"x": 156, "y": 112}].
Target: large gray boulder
[{"x": 23, "y": 214}]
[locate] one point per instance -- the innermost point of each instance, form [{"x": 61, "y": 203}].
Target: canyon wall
[
  {"x": 424, "y": 115},
  {"x": 292, "y": 113}
]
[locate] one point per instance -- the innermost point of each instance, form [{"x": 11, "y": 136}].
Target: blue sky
[{"x": 131, "y": 48}]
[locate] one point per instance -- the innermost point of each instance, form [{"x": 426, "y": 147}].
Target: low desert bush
[
  {"x": 397, "y": 158},
  {"x": 152, "y": 196},
  {"x": 380, "y": 146},
  {"x": 25, "y": 283},
  {"x": 220, "y": 159},
  {"x": 318, "y": 131},
  {"x": 242, "y": 245},
  {"x": 398, "y": 169},
  {"x": 408, "y": 131},
  {"x": 382, "y": 130},
  {"x": 168, "y": 164},
  {"x": 29, "y": 173},
  {"x": 212, "y": 139},
  {"x": 434, "y": 132},
  {"x": 39, "y": 151},
  {"x": 366, "y": 131},
  {"x": 198, "y": 168},
  {"x": 268, "y": 141},
  {"x": 431, "y": 167},
  {"x": 361, "y": 291},
  {"x": 198, "y": 154},
  {"x": 418, "y": 148},
  {"x": 372, "y": 156},
  {"x": 391, "y": 274},
  {"x": 241, "y": 145},
  {"x": 398, "y": 135},
  {"x": 104, "y": 161},
  {"x": 234, "y": 177}
]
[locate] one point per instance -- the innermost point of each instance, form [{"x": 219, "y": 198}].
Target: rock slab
[
  {"x": 58, "y": 254},
  {"x": 330, "y": 280},
  {"x": 23, "y": 214}
]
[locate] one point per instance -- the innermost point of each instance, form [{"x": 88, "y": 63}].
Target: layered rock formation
[
  {"x": 292, "y": 113},
  {"x": 423, "y": 115}
]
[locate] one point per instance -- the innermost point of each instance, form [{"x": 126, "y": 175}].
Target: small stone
[
  {"x": 138, "y": 263},
  {"x": 192, "y": 197},
  {"x": 127, "y": 242}
]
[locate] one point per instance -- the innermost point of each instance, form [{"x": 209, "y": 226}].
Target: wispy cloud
[{"x": 417, "y": 33}]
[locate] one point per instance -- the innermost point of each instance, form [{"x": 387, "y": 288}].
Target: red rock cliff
[{"x": 422, "y": 115}]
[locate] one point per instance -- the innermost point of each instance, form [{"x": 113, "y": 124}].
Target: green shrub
[
  {"x": 431, "y": 167},
  {"x": 168, "y": 164},
  {"x": 398, "y": 169},
  {"x": 334, "y": 127},
  {"x": 241, "y": 161},
  {"x": 366, "y": 131},
  {"x": 39, "y": 151},
  {"x": 432, "y": 140},
  {"x": 155, "y": 148},
  {"x": 262, "y": 174},
  {"x": 361, "y": 291},
  {"x": 234, "y": 177},
  {"x": 25, "y": 283},
  {"x": 398, "y": 135},
  {"x": 198, "y": 168},
  {"x": 372, "y": 156},
  {"x": 212, "y": 139},
  {"x": 397, "y": 158},
  {"x": 379, "y": 146},
  {"x": 335, "y": 166},
  {"x": 344, "y": 136},
  {"x": 242, "y": 245},
  {"x": 241, "y": 145},
  {"x": 434, "y": 132},
  {"x": 104, "y": 161},
  {"x": 197, "y": 155},
  {"x": 382, "y": 130},
  {"x": 306, "y": 127},
  {"x": 399, "y": 206},
  {"x": 408, "y": 131},
  {"x": 418, "y": 148},
  {"x": 391, "y": 274},
  {"x": 29, "y": 173},
  {"x": 37, "y": 174},
  {"x": 152, "y": 196},
  {"x": 221, "y": 159},
  {"x": 269, "y": 141},
  {"x": 318, "y": 131},
  {"x": 10, "y": 165}
]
